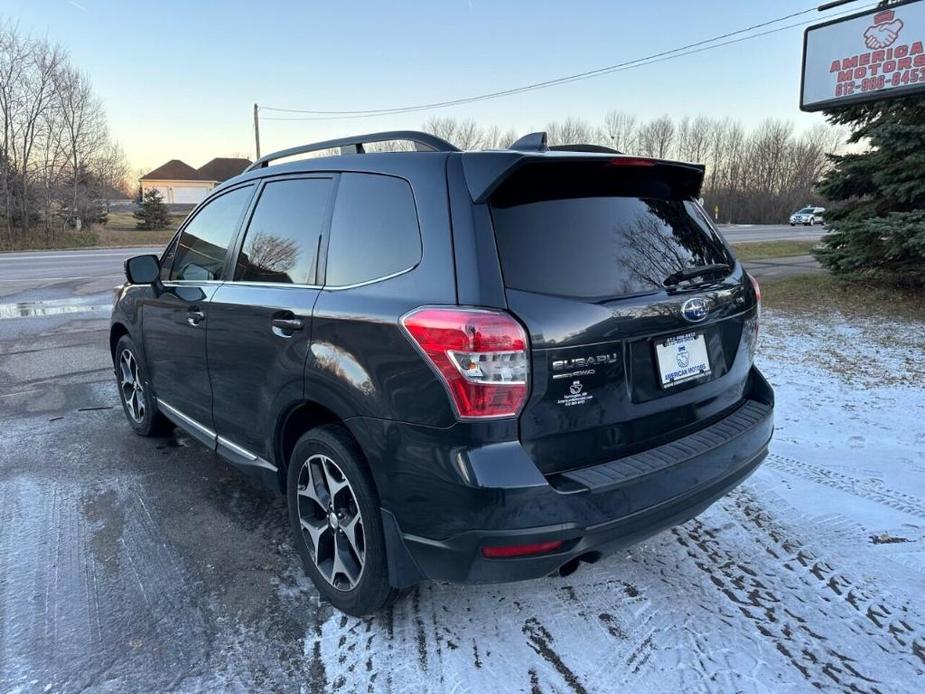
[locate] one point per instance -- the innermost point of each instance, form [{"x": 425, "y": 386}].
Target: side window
[
  {"x": 202, "y": 246},
  {"x": 374, "y": 231},
  {"x": 281, "y": 244}
]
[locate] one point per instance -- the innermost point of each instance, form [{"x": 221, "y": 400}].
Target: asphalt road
[
  {"x": 38, "y": 275},
  {"x": 771, "y": 232}
]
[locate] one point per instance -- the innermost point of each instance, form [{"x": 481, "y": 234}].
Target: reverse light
[
  {"x": 508, "y": 551},
  {"x": 481, "y": 356}
]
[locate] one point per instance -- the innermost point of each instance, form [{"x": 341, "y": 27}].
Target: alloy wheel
[
  {"x": 331, "y": 522},
  {"x": 130, "y": 386}
]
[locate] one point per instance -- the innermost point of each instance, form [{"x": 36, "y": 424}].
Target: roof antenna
[{"x": 534, "y": 142}]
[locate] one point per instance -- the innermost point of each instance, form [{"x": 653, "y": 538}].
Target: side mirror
[{"x": 142, "y": 269}]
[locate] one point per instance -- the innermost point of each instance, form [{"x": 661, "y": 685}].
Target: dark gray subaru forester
[{"x": 460, "y": 366}]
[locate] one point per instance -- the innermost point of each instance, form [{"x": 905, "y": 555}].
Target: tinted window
[
  {"x": 281, "y": 244},
  {"x": 204, "y": 242},
  {"x": 601, "y": 247},
  {"x": 374, "y": 231}
]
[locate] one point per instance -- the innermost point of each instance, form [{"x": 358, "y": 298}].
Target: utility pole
[{"x": 256, "y": 132}]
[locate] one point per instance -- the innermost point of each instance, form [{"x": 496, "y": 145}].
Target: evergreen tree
[
  {"x": 877, "y": 224},
  {"x": 153, "y": 213}
]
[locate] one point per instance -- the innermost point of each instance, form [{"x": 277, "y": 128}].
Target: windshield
[
  {"x": 806, "y": 210},
  {"x": 602, "y": 247}
]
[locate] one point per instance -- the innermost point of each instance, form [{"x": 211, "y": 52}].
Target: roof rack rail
[{"x": 424, "y": 142}]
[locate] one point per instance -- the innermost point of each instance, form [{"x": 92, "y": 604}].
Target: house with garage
[{"x": 181, "y": 184}]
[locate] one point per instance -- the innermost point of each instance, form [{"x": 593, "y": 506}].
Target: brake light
[
  {"x": 481, "y": 355},
  {"x": 632, "y": 161},
  {"x": 521, "y": 550}
]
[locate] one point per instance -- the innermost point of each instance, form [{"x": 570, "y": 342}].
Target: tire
[
  {"x": 350, "y": 569},
  {"x": 812, "y": 221},
  {"x": 792, "y": 224},
  {"x": 135, "y": 392}
]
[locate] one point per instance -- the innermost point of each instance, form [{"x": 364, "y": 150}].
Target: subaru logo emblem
[{"x": 694, "y": 310}]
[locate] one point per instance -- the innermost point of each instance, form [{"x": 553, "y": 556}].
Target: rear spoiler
[{"x": 486, "y": 171}]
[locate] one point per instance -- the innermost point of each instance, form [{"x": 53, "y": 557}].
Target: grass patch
[
  {"x": 124, "y": 221},
  {"x": 822, "y": 293},
  {"x": 112, "y": 238},
  {"x": 118, "y": 231},
  {"x": 759, "y": 250},
  {"x": 38, "y": 240}
]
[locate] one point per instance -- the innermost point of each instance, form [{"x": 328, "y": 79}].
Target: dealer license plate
[{"x": 682, "y": 358}]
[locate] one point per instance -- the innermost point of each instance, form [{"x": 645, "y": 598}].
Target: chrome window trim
[
  {"x": 338, "y": 287},
  {"x": 188, "y": 283},
  {"x": 277, "y": 285}
]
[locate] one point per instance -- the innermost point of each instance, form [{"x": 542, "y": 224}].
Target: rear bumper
[{"x": 592, "y": 510}]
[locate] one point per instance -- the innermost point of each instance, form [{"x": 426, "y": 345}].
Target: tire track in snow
[
  {"x": 865, "y": 489},
  {"x": 896, "y": 623},
  {"x": 785, "y": 620}
]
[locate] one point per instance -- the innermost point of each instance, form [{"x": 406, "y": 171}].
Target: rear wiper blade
[{"x": 690, "y": 273}]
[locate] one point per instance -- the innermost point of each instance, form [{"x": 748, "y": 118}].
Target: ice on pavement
[{"x": 810, "y": 576}]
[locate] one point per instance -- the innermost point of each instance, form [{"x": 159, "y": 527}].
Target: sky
[{"x": 178, "y": 79}]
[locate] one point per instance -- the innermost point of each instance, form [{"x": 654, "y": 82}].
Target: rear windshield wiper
[{"x": 690, "y": 273}]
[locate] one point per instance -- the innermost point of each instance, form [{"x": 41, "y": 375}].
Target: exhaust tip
[{"x": 568, "y": 568}]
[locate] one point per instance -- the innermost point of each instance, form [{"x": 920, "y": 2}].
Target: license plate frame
[{"x": 682, "y": 358}]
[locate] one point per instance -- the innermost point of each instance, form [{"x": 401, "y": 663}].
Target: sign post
[{"x": 872, "y": 55}]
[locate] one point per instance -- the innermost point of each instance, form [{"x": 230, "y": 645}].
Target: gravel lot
[{"x": 130, "y": 564}]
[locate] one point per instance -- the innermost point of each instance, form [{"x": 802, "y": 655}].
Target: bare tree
[
  {"x": 570, "y": 131},
  {"x": 56, "y": 156},
  {"x": 619, "y": 130},
  {"x": 657, "y": 137}
]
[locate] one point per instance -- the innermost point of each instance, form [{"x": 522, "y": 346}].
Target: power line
[{"x": 689, "y": 49}]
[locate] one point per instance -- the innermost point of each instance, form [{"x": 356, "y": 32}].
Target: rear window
[{"x": 601, "y": 246}]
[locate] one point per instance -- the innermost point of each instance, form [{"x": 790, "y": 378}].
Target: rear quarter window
[{"x": 374, "y": 230}]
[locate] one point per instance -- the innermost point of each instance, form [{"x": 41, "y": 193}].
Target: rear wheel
[
  {"x": 138, "y": 401},
  {"x": 334, "y": 512}
]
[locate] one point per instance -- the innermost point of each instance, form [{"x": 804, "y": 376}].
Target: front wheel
[
  {"x": 138, "y": 401},
  {"x": 337, "y": 528}
]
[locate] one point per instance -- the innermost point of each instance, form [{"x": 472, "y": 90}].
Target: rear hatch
[{"x": 630, "y": 347}]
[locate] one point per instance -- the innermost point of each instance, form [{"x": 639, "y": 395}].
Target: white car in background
[{"x": 807, "y": 216}]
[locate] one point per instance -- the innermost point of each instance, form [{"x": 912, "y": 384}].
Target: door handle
[
  {"x": 194, "y": 317},
  {"x": 285, "y": 327}
]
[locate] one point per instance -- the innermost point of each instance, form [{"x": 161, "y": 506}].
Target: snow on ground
[{"x": 809, "y": 576}]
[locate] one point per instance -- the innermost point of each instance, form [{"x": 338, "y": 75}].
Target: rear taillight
[
  {"x": 481, "y": 355},
  {"x": 757, "y": 292},
  {"x": 753, "y": 324}
]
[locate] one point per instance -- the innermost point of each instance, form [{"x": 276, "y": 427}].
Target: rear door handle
[
  {"x": 194, "y": 317},
  {"x": 284, "y": 327}
]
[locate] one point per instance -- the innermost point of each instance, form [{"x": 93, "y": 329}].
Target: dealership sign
[{"x": 877, "y": 54}]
